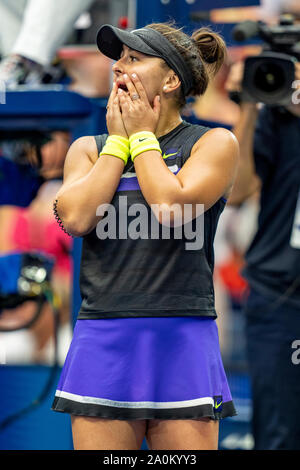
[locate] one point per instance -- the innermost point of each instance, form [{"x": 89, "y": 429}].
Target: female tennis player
[{"x": 145, "y": 358}]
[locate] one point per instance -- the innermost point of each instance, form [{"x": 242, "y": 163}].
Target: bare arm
[
  {"x": 205, "y": 177},
  {"x": 247, "y": 181},
  {"x": 88, "y": 182}
]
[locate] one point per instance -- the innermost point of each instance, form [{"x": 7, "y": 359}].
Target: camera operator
[{"x": 269, "y": 138}]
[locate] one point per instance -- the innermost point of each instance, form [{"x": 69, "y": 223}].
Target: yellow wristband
[
  {"x": 117, "y": 146},
  {"x": 142, "y": 142}
]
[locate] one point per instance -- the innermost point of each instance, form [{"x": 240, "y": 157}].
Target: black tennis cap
[{"x": 110, "y": 42}]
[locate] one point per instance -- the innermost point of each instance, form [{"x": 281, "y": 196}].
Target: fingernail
[
  {"x": 125, "y": 76},
  {"x": 133, "y": 75},
  {"x": 120, "y": 91}
]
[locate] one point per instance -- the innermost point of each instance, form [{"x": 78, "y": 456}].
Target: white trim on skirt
[{"x": 136, "y": 404}]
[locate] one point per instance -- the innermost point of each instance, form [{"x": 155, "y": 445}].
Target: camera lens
[{"x": 269, "y": 77}]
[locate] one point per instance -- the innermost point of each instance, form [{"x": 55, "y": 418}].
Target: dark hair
[{"x": 204, "y": 53}]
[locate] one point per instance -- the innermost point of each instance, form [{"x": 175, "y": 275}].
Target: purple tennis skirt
[{"x": 145, "y": 368}]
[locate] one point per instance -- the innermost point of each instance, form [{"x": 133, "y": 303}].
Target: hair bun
[{"x": 211, "y": 47}]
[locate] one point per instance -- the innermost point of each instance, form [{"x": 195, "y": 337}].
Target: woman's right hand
[{"x": 114, "y": 121}]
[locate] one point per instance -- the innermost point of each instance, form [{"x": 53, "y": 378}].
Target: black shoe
[{"x": 54, "y": 73}]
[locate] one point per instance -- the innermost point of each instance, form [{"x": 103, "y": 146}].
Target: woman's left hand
[{"x": 137, "y": 113}]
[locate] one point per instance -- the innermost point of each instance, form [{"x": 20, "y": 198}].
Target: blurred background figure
[
  {"x": 32, "y": 31},
  {"x": 269, "y": 137},
  {"x": 30, "y": 228},
  {"x": 271, "y": 9}
]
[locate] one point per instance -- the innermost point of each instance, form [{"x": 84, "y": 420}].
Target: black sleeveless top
[{"x": 144, "y": 272}]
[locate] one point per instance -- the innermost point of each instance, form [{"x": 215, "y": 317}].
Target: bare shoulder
[
  {"x": 81, "y": 154},
  {"x": 221, "y": 133},
  {"x": 84, "y": 146},
  {"x": 215, "y": 158},
  {"x": 219, "y": 138}
]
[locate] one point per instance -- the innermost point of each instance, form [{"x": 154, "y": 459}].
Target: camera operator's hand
[
  {"x": 234, "y": 81},
  {"x": 246, "y": 182},
  {"x": 235, "y": 78}
]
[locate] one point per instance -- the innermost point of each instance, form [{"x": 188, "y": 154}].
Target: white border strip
[{"x": 136, "y": 404}]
